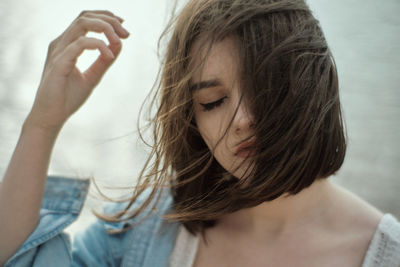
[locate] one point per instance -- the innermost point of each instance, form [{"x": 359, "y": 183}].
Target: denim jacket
[{"x": 148, "y": 244}]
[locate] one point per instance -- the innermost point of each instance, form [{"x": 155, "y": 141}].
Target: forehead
[{"x": 219, "y": 60}]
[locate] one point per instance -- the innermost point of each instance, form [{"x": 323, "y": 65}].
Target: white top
[
  {"x": 383, "y": 251},
  {"x": 185, "y": 249}
]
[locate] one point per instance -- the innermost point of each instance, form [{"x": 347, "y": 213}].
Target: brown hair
[{"x": 290, "y": 78}]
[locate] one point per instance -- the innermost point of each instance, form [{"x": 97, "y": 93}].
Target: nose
[{"x": 243, "y": 120}]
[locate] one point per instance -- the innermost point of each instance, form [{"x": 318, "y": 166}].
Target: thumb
[{"x": 96, "y": 71}]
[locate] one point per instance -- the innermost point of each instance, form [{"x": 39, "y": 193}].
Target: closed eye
[{"x": 211, "y": 105}]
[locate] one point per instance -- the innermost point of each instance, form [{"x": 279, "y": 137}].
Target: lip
[{"x": 245, "y": 150}]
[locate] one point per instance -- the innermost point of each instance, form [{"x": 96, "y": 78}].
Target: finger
[
  {"x": 104, "y": 12},
  {"x": 83, "y": 25},
  {"x": 101, "y": 12},
  {"x": 96, "y": 71},
  {"x": 115, "y": 48},
  {"x": 113, "y": 21},
  {"x": 75, "y": 49},
  {"x": 100, "y": 66}
]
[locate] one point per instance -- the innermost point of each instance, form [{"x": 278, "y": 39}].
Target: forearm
[
  {"x": 23, "y": 186},
  {"x": 62, "y": 91}
]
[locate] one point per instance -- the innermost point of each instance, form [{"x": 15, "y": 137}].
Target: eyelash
[{"x": 212, "y": 105}]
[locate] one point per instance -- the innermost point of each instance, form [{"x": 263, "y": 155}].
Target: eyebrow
[{"x": 205, "y": 84}]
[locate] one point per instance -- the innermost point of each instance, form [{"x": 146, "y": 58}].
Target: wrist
[{"x": 32, "y": 124}]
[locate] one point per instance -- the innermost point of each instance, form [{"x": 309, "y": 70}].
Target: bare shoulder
[
  {"x": 354, "y": 222},
  {"x": 353, "y": 211}
]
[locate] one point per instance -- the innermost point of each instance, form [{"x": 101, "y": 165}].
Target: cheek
[
  {"x": 206, "y": 133},
  {"x": 212, "y": 132},
  {"x": 208, "y": 128}
]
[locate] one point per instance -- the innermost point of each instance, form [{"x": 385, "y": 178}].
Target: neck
[{"x": 286, "y": 213}]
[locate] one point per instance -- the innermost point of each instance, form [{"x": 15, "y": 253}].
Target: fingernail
[{"x": 125, "y": 31}]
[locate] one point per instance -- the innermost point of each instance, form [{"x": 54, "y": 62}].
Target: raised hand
[{"x": 63, "y": 88}]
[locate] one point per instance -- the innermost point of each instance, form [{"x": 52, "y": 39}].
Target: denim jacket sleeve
[
  {"x": 48, "y": 245},
  {"x": 148, "y": 244},
  {"x": 92, "y": 247}
]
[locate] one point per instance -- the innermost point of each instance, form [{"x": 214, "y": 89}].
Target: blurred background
[{"x": 101, "y": 140}]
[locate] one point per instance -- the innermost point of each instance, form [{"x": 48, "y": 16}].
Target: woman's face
[{"x": 216, "y": 98}]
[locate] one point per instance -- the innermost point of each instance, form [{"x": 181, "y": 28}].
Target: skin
[
  {"x": 62, "y": 90},
  {"x": 223, "y": 94},
  {"x": 306, "y": 227},
  {"x": 323, "y": 225}
]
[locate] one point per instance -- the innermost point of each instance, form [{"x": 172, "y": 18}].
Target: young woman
[{"x": 247, "y": 132}]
